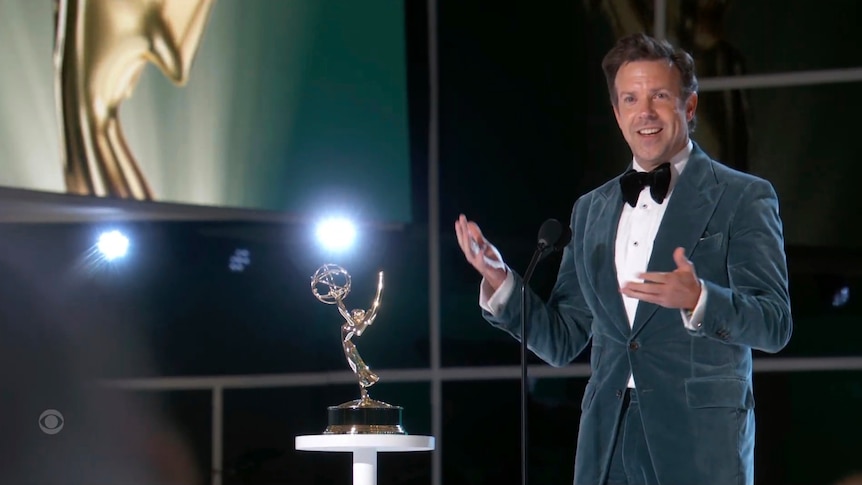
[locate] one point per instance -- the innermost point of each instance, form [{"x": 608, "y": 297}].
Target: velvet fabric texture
[{"x": 694, "y": 387}]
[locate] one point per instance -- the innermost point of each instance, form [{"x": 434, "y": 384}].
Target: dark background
[{"x": 525, "y": 128}]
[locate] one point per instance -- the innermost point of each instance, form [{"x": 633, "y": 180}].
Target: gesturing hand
[
  {"x": 677, "y": 289},
  {"x": 479, "y": 252}
]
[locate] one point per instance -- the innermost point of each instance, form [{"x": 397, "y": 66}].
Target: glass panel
[
  {"x": 58, "y": 426},
  {"x": 219, "y": 298},
  {"x": 186, "y": 435},
  {"x": 733, "y": 37},
  {"x": 808, "y": 426},
  {"x": 261, "y": 426},
  {"x": 524, "y": 131},
  {"x": 482, "y": 416},
  {"x": 486, "y": 415},
  {"x": 797, "y": 142},
  {"x": 824, "y": 305},
  {"x": 167, "y": 432},
  {"x": 777, "y": 133}
]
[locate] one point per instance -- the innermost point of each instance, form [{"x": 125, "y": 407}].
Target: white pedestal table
[{"x": 364, "y": 448}]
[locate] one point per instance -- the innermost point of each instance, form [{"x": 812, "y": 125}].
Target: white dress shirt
[{"x": 636, "y": 233}]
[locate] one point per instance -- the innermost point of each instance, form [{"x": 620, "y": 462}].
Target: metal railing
[{"x": 218, "y": 384}]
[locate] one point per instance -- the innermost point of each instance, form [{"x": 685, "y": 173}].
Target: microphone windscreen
[{"x": 550, "y": 233}]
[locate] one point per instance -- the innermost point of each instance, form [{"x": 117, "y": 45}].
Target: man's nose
[{"x": 647, "y": 109}]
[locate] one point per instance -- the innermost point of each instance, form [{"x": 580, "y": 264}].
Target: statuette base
[{"x": 365, "y": 416}]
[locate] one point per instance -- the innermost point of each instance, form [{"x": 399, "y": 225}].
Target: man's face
[{"x": 650, "y": 111}]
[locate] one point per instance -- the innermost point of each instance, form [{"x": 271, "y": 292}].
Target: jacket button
[
  {"x": 619, "y": 393},
  {"x": 634, "y": 346}
]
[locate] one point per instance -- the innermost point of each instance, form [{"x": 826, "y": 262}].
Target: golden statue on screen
[{"x": 101, "y": 48}]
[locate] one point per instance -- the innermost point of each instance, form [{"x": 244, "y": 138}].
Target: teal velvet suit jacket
[{"x": 694, "y": 387}]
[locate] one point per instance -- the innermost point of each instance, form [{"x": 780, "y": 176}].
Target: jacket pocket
[
  {"x": 707, "y": 244},
  {"x": 719, "y": 392}
]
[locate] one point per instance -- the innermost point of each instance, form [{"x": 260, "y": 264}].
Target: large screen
[{"x": 294, "y": 106}]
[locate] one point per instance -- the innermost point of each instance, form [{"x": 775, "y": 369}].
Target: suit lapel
[
  {"x": 690, "y": 208},
  {"x": 602, "y": 233}
]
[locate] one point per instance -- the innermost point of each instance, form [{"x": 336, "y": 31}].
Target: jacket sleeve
[
  {"x": 557, "y": 330},
  {"x": 755, "y": 310}
]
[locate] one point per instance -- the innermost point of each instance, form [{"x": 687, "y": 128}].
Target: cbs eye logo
[{"x": 51, "y": 421}]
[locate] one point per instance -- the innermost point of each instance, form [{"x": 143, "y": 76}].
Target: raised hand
[{"x": 479, "y": 252}]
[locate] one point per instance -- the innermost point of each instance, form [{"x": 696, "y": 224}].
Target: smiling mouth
[{"x": 649, "y": 131}]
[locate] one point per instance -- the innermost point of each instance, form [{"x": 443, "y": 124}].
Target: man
[{"x": 674, "y": 283}]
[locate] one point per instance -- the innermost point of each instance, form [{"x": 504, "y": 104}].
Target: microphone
[
  {"x": 552, "y": 237},
  {"x": 549, "y": 233}
]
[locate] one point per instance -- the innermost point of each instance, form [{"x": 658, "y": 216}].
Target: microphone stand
[
  {"x": 534, "y": 261},
  {"x": 552, "y": 236}
]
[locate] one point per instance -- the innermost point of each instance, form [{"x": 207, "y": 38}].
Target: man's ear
[{"x": 690, "y": 107}]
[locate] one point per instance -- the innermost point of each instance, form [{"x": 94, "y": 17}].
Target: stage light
[
  {"x": 113, "y": 245},
  {"x": 336, "y": 234},
  {"x": 239, "y": 260},
  {"x": 841, "y": 297}
]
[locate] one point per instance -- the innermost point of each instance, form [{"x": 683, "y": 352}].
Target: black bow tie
[{"x": 633, "y": 182}]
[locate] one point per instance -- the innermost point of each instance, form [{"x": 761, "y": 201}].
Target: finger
[
  {"x": 465, "y": 241},
  {"x": 654, "y": 277},
  {"x": 642, "y": 288},
  {"x": 648, "y": 297},
  {"x": 460, "y": 232},
  {"x": 477, "y": 250},
  {"x": 462, "y": 226},
  {"x": 681, "y": 261}
]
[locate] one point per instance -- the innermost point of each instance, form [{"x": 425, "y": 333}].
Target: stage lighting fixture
[
  {"x": 113, "y": 245},
  {"x": 841, "y": 297},
  {"x": 336, "y": 234},
  {"x": 239, "y": 260}
]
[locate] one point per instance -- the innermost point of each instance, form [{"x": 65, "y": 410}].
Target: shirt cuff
[
  {"x": 492, "y": 301},
  {"x": 693, "y": 319}
]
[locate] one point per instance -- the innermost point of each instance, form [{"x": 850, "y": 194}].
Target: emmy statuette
[{"x": 331, "y": 284}]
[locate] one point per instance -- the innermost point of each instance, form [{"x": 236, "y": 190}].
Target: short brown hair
[{"x": 641, "y": 47}]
